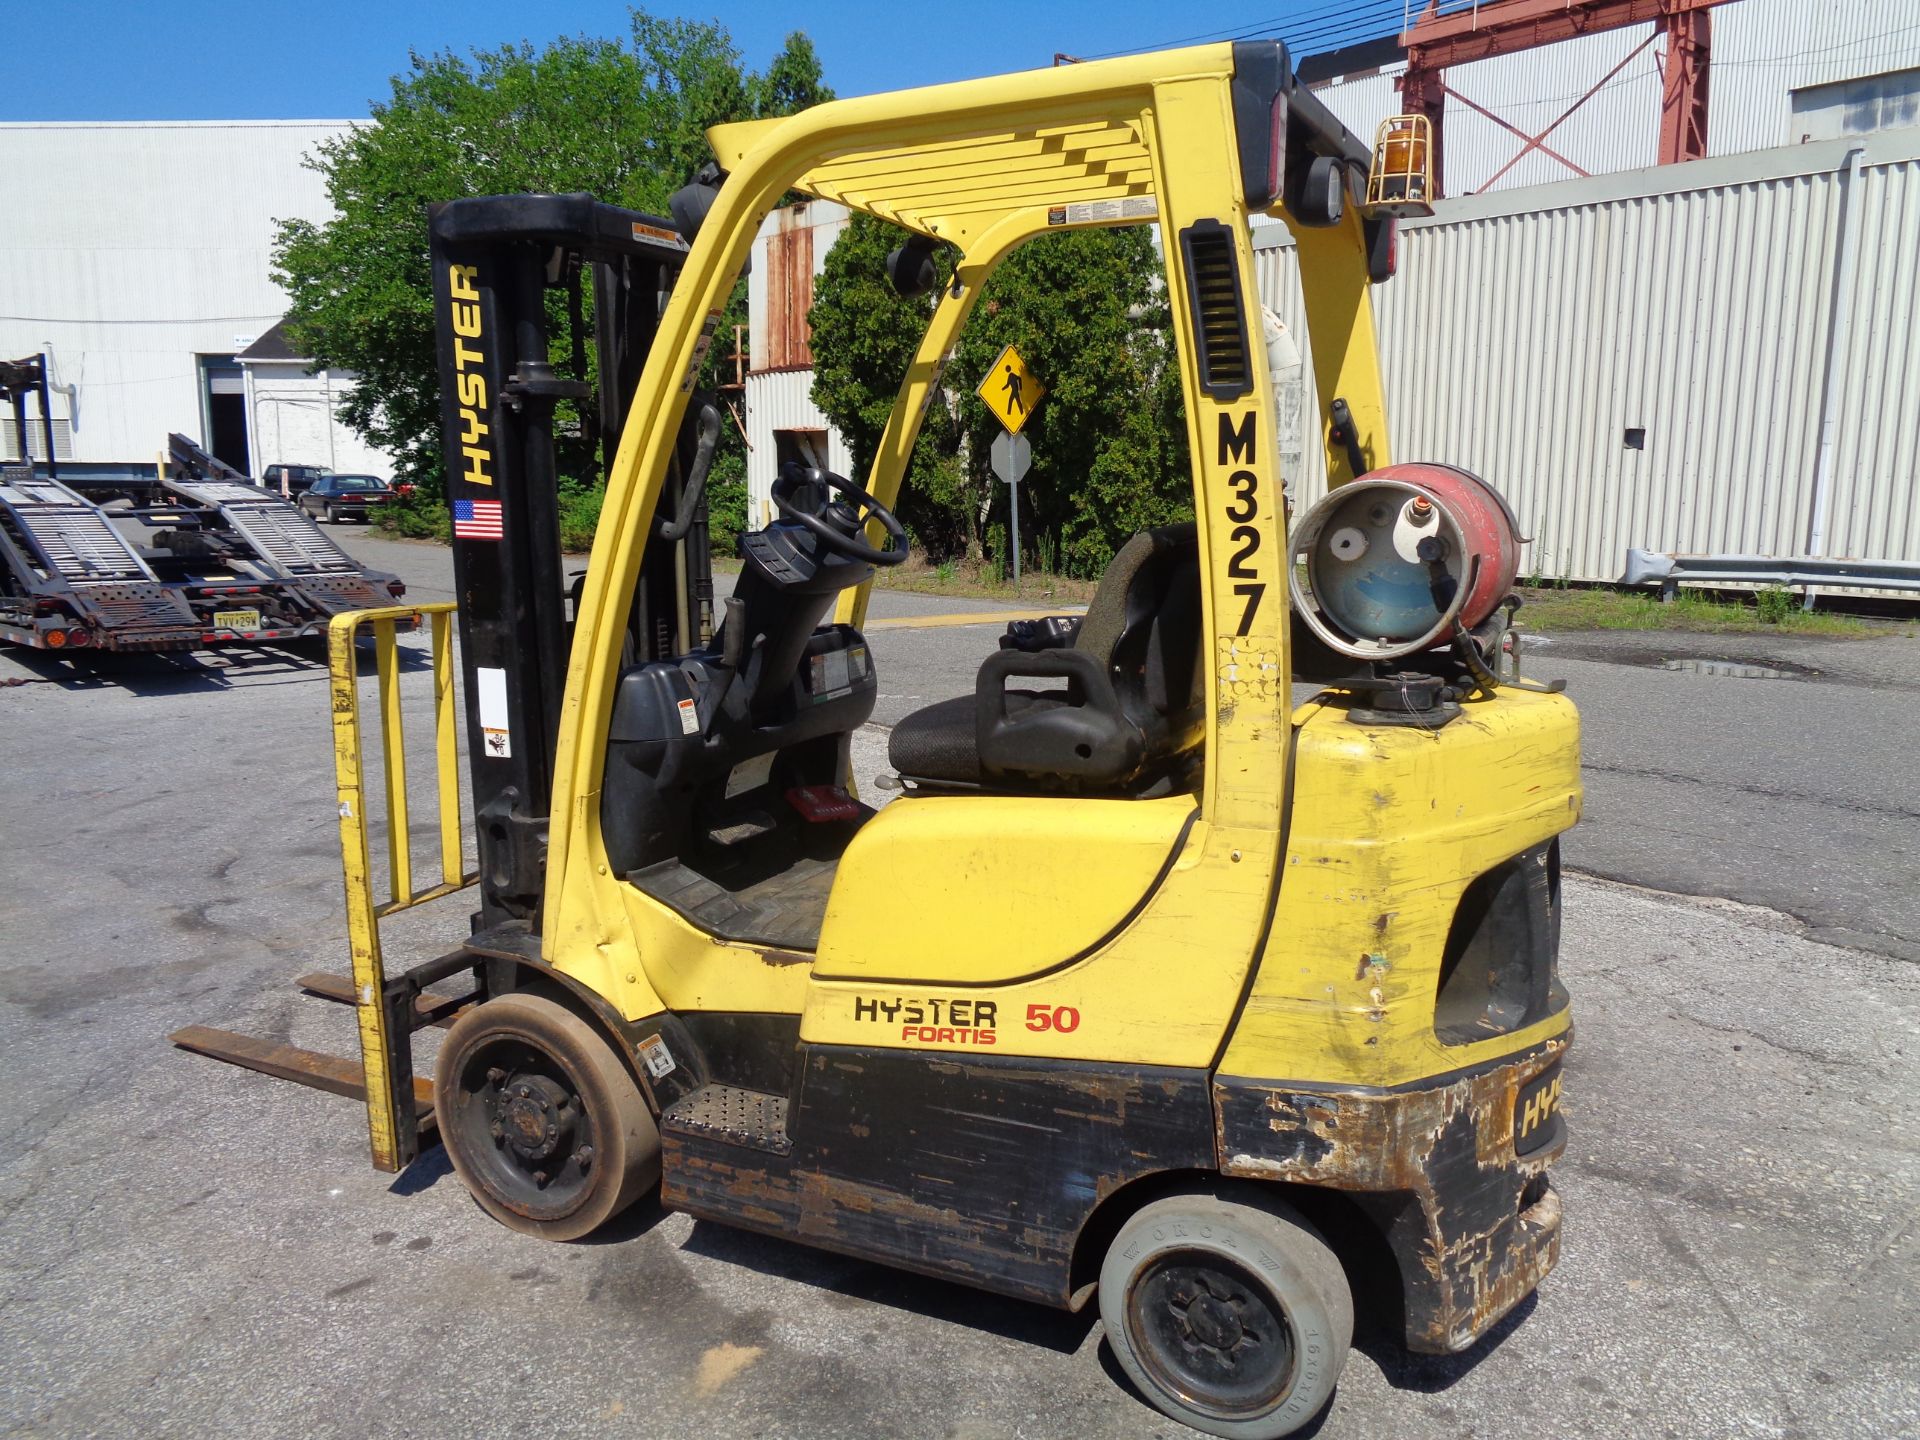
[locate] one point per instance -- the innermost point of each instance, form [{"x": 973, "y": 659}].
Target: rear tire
[
  {"x": 1231, "y": 1315},
  {"x": 542, "y": 1119},
  {"x": 333, "y": 516}
]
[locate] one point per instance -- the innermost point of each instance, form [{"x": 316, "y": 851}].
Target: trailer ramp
[
  {"x": 64, "y": 554},
  {"x": 287, "y": 545}
]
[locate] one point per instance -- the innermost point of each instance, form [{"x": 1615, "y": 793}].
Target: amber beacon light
[{"x": 1400, "y": 181}]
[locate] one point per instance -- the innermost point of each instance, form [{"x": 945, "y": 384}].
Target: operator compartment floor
[{"x": 768, "y": 890}]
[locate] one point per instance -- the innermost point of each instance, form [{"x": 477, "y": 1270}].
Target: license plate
[
  {"x": 236, "y": 619},
  {"x": 1536, "y": 1111}
]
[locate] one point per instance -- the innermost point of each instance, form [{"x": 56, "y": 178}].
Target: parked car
[
  {"x": 341, "y": 497},
  {"x": 290, "y": 482}
]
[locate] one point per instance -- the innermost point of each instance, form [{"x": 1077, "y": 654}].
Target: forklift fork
[{"x": 388, "y": 1009}]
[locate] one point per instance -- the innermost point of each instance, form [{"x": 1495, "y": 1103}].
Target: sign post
[
  {"x": 1012, "y": 454},
  {"x": 1010, "y": 390}
]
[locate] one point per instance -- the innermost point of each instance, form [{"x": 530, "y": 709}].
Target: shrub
[
  {"x": 579, "y": 517},
  {"x": 727, "y": 501},
  {"x": 416, "y": 517}
]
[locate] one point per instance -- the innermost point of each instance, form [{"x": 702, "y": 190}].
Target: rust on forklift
[{"x": 1452, "y": 1165}]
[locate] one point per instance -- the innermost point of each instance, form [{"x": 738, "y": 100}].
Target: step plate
[{"x": 751, "y": 1118}]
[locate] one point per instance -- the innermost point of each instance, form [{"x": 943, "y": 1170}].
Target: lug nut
[
  {"x": 540, "y": 1178},
  {"x": 583, "y": 1157}
]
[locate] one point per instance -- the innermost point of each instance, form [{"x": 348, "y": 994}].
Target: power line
[
  {"x": 1307, "y": 25},
  {"x": 1791, "y": 57}
]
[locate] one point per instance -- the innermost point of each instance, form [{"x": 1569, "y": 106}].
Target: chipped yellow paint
[
  {"x": 1390, "y": 826},
  {"x": 688, "y": 969}
]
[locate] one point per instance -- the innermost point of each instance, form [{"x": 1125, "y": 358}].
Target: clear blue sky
[{"x": 191, "y": 60}]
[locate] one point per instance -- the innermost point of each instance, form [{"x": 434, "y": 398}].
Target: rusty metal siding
[
  {"x": 790, "y": 249},
  {"x": 1528, "y": 331}
]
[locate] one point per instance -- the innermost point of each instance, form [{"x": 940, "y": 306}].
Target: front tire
[
  {"x": 541, "y": 1119},
  {"x": 1231, "y": 1315}
]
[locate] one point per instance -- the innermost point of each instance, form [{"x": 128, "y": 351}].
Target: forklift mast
[{"x": 498, "y": 262}]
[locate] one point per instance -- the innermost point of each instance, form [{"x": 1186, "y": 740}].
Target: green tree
[
  {"x": 622, "y": 120},
  {"x": 1109, "y": 441}
]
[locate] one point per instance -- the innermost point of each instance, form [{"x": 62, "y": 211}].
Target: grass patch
[
  {"x": 1771, "y": 612},
  {"x": 975, "y": 582}
]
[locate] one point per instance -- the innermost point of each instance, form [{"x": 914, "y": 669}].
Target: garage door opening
[{"x": 223, "y": 411}]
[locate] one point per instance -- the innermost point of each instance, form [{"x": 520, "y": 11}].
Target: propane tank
[{"x": 1387, "y": 565}]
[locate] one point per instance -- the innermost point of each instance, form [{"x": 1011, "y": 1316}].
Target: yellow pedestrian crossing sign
[{"x": 1011, "y": 390}]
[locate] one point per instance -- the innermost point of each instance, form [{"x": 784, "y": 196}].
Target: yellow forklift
[{"x": 1152, "y": 986}]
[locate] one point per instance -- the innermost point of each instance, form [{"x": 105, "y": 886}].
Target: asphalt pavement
[{"x": 189, "y": 1249}]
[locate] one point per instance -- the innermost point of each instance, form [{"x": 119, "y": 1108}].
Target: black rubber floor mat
[{"x": 743, "y": 902}]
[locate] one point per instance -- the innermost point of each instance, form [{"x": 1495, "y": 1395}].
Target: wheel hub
[
  {"x": 534, "y": 1116},
  {"x": 1212, "y": 1322},
  {"x": 1211, "y": 1334}
]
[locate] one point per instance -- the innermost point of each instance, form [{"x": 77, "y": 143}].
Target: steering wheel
[{"x": 847, "y": 542}]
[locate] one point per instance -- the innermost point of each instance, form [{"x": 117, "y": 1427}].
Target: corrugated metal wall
[
  {"x": 780, "y": 400},
  {"x": 1876, "y": 499},
  {"x": 1528, "y": 332},
  {"x": 1762, "y": 50}
]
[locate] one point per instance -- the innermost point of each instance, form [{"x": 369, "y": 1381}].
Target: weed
[{"x": 1775, "y": 604}]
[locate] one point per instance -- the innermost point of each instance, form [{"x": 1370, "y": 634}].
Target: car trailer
[{"x": 220, "y": 560}]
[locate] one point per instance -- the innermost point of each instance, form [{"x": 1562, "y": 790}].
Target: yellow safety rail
[{"x": 390, "y": 1130}]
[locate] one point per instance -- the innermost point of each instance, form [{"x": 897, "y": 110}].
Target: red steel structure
[{"x": 1506, "y": 27}]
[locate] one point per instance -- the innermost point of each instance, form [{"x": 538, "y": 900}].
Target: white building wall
[
  {"x": 780, "y": 399},
  {"x": 129, "y": 250},
  {"x": 292, "y": 421},
  {"x": 1762, "y": 50},
  {"x": 1527, "y": 331}
]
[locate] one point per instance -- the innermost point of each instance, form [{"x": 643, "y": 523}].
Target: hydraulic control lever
[{"x": 706, "y": 444}]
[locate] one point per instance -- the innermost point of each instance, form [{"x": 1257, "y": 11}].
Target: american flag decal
[{"x": 476, "y": 520}]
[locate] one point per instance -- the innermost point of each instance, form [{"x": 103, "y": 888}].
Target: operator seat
[{"x": 1133, "y": 710}]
